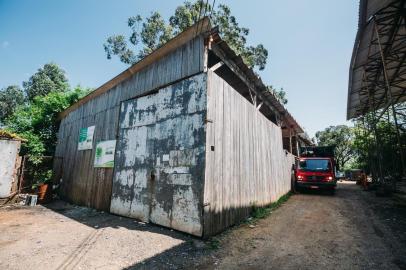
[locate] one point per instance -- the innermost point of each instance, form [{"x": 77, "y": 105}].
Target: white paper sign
[
  {"x": 104, "y": 154},
  {"x": 86, "y": 138}
]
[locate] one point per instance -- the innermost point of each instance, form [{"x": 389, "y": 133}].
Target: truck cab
[{"x": 315, "y": 169}]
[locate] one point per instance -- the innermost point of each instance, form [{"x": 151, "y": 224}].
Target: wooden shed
[{"x": 188, "y": 138}]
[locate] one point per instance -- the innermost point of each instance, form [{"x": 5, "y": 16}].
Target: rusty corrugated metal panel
[
  {"x": 160, "y": 157},
  {"x": 82, "y": 183}
]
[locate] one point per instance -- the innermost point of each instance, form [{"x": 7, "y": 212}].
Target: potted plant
[{"x": 43, "y": 185}]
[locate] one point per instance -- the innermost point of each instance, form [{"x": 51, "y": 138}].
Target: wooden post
[
  {"x": 290, "y": 140},
  {"x": 297, "y": 145}
]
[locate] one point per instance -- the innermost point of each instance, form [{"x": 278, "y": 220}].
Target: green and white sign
[
  {"x": 104, "y": 157},
  {"x": 86, "y": 138}
]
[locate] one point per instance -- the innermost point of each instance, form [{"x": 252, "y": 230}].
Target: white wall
[{"x": 8, "y": 153}]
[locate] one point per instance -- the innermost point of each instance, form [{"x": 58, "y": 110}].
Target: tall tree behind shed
[
  {"x": 49, "y": 78},
  {"x": 147, "y": 34},
  {"x": 10, "y": 97}
]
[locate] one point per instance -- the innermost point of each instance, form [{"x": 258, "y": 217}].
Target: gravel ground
[
  {"x": 350, "y": 230},
  {"x": 63, "y": 236}
]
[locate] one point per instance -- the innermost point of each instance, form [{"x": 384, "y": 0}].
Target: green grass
[
  {"x": 263, "y": 212},
  {"x": 214, "y": 243}
]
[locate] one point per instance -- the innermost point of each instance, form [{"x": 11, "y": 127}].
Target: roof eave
[{"x": 193, "y": 31}]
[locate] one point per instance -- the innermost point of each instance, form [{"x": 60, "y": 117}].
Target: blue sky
[{"x": 309, "y": 43}]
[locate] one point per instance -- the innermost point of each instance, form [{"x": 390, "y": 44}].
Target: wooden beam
[
  {"x": 217, "y": 66},
  {"x": 234, "y": 68},
  {"x": 260, "y": 105}
]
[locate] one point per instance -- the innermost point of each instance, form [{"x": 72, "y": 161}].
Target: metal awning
[{"x": 378, "y": 65}]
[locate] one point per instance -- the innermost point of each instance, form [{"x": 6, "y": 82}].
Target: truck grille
[{"x": 315, "y": 178}]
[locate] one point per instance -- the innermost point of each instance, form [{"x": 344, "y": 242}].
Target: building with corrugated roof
[{"x": 188, "y": 138}]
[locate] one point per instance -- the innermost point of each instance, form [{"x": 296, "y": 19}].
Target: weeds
[
  {"x": 263, "y": 212},
  {"x": 257, "y": 213},
  {"x": 214, "y": 243}
]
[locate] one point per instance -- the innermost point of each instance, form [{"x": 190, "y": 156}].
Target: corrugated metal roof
[
  {"x": 193, "y": 31},
  {"x": 202, "y": 27},
  {"x": 367, "y": 90}
]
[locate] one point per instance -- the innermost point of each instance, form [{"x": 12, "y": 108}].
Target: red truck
[{"x": 316, "y": 168}]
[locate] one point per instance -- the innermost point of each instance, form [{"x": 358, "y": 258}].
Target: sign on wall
[
  {"x": 104, "y": 157},
  {"x": 86, "y": 138}
]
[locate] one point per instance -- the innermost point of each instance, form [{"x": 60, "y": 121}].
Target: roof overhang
[
  {"x": 378, "y": 62},
  {"x": 193, "y": 31},
  {"x": 203, "y": 27},
  {"x": 253, "y": 82}
]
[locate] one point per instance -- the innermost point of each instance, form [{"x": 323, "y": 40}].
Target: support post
[
  {"x": 297, "y": 146},
  {"x": 388, "y": 88},
  {"x": 290, "y": 140},
  {"x": 377, "y": 147}
]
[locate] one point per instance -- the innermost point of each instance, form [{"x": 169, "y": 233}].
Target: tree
[
  {"x": 377, "y": 149},
  {"x": 10, "y": 97},
  {"x": 49, "y": 78},
  {"x": 279, "y": 94},
  {"x": 36, "y": 121},
  {"x": 150, "y": 33},
  {"x": 32, "y": 115},
  {"x": 341, "y": 137}
]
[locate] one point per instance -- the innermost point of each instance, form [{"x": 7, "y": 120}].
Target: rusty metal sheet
[{"x": 160, "y": 156}]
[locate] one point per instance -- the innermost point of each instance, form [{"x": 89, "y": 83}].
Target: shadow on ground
[
  {"x": 184, "y": 255},
  {"x": 145, "y": 243}
]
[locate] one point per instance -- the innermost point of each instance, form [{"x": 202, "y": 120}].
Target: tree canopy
[
  {"x": 341, "y": 137},
  {"x": 32, "y": 114},
  {"x": 49, "y": 78},
  {"x": 377, "y": 149},
  {"x": 36, "y": 121},
  {"x": 279, "y": 94},
  {"x": 371, "y": 144},
  {"x": 147, "y": 34},
  {"x": 10, "y": 97}
]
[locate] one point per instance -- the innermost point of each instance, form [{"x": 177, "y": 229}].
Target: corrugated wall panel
[
  {"x": 245, "y": 161},
  {"x": 81, "y": 182},
  {"x": 160, "y": 156}
]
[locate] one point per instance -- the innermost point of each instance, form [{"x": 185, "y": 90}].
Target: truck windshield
[{"x": 314, "y": 165}]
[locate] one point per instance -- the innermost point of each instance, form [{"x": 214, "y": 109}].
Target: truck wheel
[{"x": 297, "y": 188}]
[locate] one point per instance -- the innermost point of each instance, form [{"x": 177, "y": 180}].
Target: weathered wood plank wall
[
  {"x": 81, "y": 182},
  {"x": 245, "y": 161}
]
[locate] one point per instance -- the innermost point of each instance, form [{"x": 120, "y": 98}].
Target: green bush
[{"x": 36, "y": 122}]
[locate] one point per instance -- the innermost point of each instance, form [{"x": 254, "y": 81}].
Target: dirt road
[
  {"x": 316, "y": 231},
  {"x": 351, "y": 230}
]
